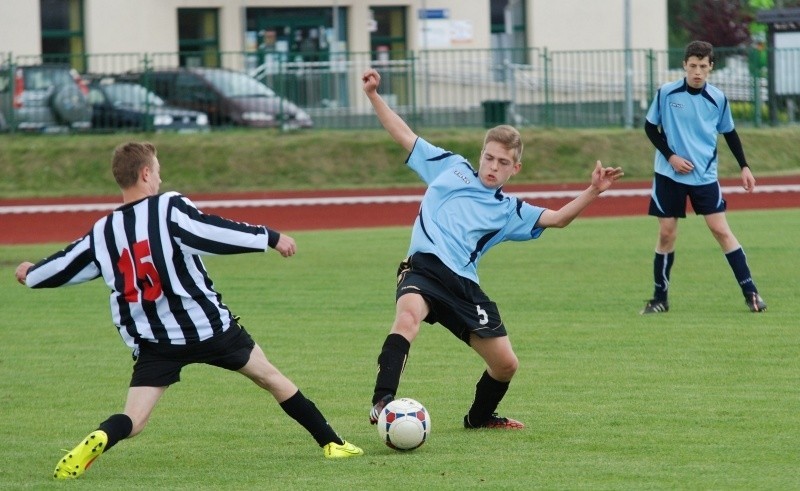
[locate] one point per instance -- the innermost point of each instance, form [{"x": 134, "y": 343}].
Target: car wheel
[{"x": 70, "y": 105}]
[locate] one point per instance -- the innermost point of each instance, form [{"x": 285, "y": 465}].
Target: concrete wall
[{"x": 143, "y": 26}]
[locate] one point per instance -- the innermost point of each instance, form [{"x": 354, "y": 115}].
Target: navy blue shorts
[
  {"x": 159, "y": 365},
  {"x": 668, "y": 198},
  {"x": 455, "y": 302}
]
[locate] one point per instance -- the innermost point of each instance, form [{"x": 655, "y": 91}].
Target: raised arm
[
  {"x": 602, "y": 179},
  {"x": 394, "y": 124}
]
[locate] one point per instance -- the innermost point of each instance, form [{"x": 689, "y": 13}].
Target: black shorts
[
  {"x": 455, "y": 302},
  {"x": 160, "y": 365},
  {"x": 668, "y": 198}
]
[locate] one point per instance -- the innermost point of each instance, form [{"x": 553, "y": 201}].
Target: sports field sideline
[{"x": 57, "y": 220}]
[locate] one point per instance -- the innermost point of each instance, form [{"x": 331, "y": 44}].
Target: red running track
[{"x": 30, "y": 221}]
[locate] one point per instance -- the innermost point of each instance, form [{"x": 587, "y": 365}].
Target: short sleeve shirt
[{"x": 460, "y": 218}]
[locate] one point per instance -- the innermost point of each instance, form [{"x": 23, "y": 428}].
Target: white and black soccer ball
[{"x": 404, "y": 424}]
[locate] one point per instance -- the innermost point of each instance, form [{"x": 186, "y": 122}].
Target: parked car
[
  {"x": 229, "y": 98},
  {"x": 43, "y": 98},
  {"x": 121, "y": 104}
]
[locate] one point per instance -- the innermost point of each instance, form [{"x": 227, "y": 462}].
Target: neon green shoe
[
  {"x": 75, "y": 463},
  {"x": 335, "y": 451}
]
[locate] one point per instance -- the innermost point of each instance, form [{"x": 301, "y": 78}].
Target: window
[
  {"x": 508, "y": 28},
  {"x": 198, "y": 37},
  {"x": 62, "y": 32},
  {"x": 283, "y": 41},
  {"x": 388, "y": 40},
  {"x": 297, "y": 34}
]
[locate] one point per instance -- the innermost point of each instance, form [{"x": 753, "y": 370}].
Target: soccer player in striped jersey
[
  {"x": 164, "y": 304},
  {"x": 691, "y": 113},
  {"x": 464, "y": 213}
]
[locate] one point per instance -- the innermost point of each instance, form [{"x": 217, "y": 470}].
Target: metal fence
[{"x": 448, "y": 88}]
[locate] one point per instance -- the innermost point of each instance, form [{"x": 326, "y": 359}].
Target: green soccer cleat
[
  {"x": 335, "y": 451},
  {"x": 75, "y": 462}
]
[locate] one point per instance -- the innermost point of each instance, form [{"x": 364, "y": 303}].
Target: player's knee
[
  {"x": 406, "y": 324},
  {"x": 505, "y": 368},
  {"x": 666, "y": 239}
]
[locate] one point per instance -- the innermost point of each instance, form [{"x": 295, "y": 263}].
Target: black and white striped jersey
[{"x": 148, "y": 253}]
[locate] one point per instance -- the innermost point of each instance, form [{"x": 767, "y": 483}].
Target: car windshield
[
  {"x": 233, "y": 84},
  {"x": 43, "y": 78},
  {"x": 131, "y": 95}
]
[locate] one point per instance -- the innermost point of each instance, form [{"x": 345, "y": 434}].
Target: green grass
[
  {"x": 267, "y": 160},
  {"x": 704, "y": 397}
]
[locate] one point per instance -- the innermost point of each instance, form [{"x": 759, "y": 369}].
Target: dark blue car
[{"x": 127, "y": 105}]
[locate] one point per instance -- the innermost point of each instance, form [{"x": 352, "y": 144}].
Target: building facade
[
  {"x": 314, "y": 28},
  {"x": 445, "y": 62}
]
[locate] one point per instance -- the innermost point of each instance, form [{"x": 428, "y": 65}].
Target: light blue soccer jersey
[
  {"x": 691, "y": 124},
  {"x": 460, "y": 218}
]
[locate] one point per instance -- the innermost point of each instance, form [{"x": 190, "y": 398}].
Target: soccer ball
[{"x": 404, "y": 424}]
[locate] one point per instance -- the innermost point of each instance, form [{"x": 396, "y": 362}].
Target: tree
[{"x": 723, "y": 23}]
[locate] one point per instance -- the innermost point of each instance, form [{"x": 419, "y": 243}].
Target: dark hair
[
  {"x": 129, "y": 159},
  {"x": 700, "y": 49}
]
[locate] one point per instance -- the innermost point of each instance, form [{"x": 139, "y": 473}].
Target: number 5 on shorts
[{"x": 482, "y": 316}]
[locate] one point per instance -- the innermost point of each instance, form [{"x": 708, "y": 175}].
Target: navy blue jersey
[
  {"x": 460, "y": 218},
  {"x": 148, "y": 253}
]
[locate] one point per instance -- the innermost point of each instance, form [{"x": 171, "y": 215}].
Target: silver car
[{"x": 43, "y": 98}]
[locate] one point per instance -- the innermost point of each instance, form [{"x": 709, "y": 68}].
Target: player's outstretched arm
[
  {"x": 602, "y": 179},
  {"x": 391, "y": 121}
]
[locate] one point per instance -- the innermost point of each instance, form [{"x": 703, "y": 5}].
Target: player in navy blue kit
[
  {"x": 164, "y": 304},
  {"x": 691, "y": 114},
  {"x": 463, "y": 214}
]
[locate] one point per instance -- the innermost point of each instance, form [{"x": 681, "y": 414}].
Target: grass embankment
[{"x": 268, "y": 160}]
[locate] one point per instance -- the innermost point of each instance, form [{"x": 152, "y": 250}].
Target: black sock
[
  {"x": 741, "y": 271},
  {"x": 391, "y": 363},
  {"x": 488, "y": 394},
  {"x": 662, "y": 266},
  {"x": 117, "y": 427},
  {"x": 306, "y": 413}
]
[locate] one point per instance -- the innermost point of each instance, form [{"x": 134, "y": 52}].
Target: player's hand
[
  {"x": 371, "y": 79},
  {"x": 604, "y": 177},
  {"x": 680, "y": 164},
  {"x": 286, "y": 246},
  {"x": 748, "y": 181},
  {"x": 22, "y": 272}
]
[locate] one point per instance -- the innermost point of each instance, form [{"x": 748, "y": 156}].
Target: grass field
[
  {"x": 270, "y": 160},
  {"x": 704, "y": 397}
]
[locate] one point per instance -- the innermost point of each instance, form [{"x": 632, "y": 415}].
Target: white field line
[{"x": 361, "y": 200}]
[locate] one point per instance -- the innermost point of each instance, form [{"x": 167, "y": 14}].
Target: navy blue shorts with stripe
[
  {"x": 455, "y": 302},
  {"x": 668, "y": 198}
]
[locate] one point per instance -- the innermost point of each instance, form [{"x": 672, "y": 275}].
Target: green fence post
[
  {"x": 754, "y": 57},
  {"x": 284, "y": 93},
  {"x": 546, "y": 84},
  {"x": 148, "y": 121},
  {"x": 11, "y": 70},
  {"x": 651, "y": 73}
]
